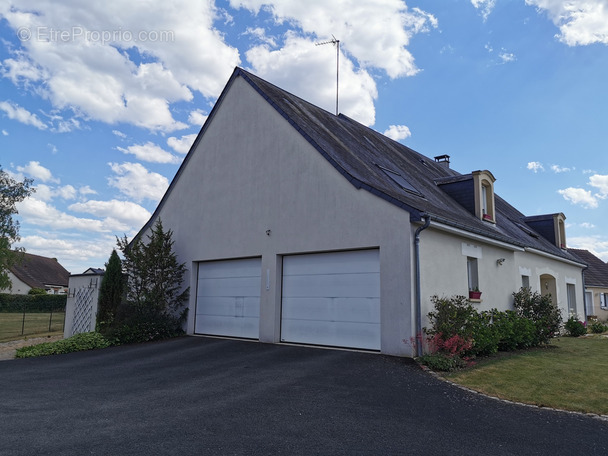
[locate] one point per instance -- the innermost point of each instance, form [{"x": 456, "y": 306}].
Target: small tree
[
  {"x": 11, "y": 193},
  {"x": 154, "y": 305},
  {"x": 110, "y": 293}
]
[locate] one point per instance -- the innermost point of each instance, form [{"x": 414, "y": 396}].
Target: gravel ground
[{"x": 8, "y": 349}]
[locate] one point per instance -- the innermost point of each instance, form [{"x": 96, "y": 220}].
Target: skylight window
[{"x": 400, "y": 180}]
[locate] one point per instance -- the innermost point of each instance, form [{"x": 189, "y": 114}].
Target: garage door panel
[
  {"x": 332, "y": 299},
  {"x": 333, "y": 285},
  {"x": 238, "y": 286},
  {"x": 222, "y": 326},
  {"x": 346, "y": 262},
  {"x": 352, "y": 335},
  {"x": 228, "y": 298},
  {"x": 229, "y": 306},
  {"x": 361, "y": 310}
]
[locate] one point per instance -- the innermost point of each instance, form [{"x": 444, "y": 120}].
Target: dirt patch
[{"x": 9, "y": 349}]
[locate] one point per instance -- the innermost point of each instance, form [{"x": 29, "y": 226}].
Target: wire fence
[{"x": 29, "y": 316}]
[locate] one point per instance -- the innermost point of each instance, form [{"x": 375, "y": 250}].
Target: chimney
[{"x": 443, "y": 159}]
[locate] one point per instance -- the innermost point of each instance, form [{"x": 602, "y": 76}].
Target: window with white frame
[
  {"x": 604, "y": 300},
  {"x": 472, "y": 273},
  {"x": 571, "y": 293},
  {"x": 525, "y": 281}
]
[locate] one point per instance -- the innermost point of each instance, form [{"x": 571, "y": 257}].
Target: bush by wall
[
  {"x": 534, "y": 322},
  {"x": 13, "y": 303}
]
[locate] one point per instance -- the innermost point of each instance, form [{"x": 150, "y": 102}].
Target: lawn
[
  {"x": 570, "y": 374},
  {"x": 36, "y": 324}
]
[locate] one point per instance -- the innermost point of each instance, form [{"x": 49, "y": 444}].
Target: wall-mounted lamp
[
  {"x": 268, "y": 232},
  {"x": 500, "y": 261}
]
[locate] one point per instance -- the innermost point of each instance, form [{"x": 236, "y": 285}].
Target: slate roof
[
  {"x": 596, "y": 274},
  {"x": 360, "y": 154},
  {"x": 38, "y": 271}
]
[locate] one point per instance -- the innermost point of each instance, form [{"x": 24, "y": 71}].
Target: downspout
[{"x": 427, "y": 222}]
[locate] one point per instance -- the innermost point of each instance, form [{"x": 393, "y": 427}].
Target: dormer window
[
  {"x": 550, "y": 226},
  {"x": 484, "y": 195}
]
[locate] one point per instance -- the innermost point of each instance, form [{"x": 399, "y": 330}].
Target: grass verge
[
  {"x": 35, "y": 325},
  {"x": 571, "y": 374}
]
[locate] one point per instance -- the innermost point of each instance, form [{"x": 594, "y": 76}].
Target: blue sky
[{"x": 99, "y": 104}]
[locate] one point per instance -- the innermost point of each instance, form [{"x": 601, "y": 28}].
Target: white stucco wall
[
  {"x": 252, "y": 172},
  {"x": 444, "y": 271},
  {"x": 18, "y": 286}
]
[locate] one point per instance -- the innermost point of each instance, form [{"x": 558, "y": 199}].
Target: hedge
[{"x": 11, "y": 303}]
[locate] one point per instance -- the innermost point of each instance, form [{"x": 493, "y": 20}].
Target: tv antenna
[{"x": 335, "y": 42}]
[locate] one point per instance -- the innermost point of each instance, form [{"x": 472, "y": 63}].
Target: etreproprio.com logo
[{"x": 78, "y": 33}]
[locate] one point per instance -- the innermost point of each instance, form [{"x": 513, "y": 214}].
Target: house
[
  {"x": 596, "y": 284},
  {"x": 35, "y": 271},
  {"x": 300, "y": 226}
]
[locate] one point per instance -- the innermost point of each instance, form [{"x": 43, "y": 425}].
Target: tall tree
[
  {"x": 155, "y": 297},
  {"x": 11, "y": 193},
  {"x": 111, "y": 292}
]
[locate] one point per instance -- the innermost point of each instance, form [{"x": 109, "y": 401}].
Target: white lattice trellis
[{"x": 83, "y": 310}]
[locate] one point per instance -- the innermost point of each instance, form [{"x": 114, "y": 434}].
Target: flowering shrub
[{"x": 574, "y": 327}]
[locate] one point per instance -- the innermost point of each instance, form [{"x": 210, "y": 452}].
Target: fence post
[{"x": 23, "y": 320}]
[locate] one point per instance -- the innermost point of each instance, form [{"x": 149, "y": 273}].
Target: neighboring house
[
  {"x": 34, "y": 271},
  {"x": 596, "y": 284},
  {"x": 301, "y": 226}
]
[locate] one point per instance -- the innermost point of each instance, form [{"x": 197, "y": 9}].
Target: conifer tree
[{"x": 111, "y": 292}]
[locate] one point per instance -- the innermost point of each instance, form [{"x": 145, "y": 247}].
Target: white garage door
[
  {"x": 332, "y": 299},
  {"x": 228, "y": 298}
]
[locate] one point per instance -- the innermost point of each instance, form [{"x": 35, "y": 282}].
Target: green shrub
[
  {"x": 547, "y": 318},
  {"x": 137, "y": 327},
  {"x": 515, "y": 332},
  {"x": 442, "y": 362},
  {"x": 574, "y": 327},
  {"x": 485, "y": 335},
  {"x": 597, "y": 327},
  {"x": 452, "y": 316},
  {"x": 78, "y": 342}
]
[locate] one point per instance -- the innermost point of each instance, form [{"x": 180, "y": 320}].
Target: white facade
[{"x": 254, "y": 188}]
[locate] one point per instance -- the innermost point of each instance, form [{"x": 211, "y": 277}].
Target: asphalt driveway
[{"x": 223, "y": 397}]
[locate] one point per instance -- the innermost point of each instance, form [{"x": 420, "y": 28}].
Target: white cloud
[
  {"x": 560, "y": 169},
  {"x": 535, "y": 166},
  {"x": 310, "y": 72},
  {"x": 38, "y": 212},
  {"x": 119, "y": 133},
  {"x": 4, "y": 133},
  {"x": 86, "y": 190},
  {"x": 376, "y": 34},
  {"x": 197, "y": 117},
  {"x": 16, "y": 112},
  {"x": 601, "y": 183},
  {"x": 136, "y": 182},
  {"x": 66, "y": 192},
  {"x": 587, "y": 225},
  {"x": 74, "y": 254},
  {"x": 398, "y": 132},
  {"x": 150, "y": 152},
  {"x": 579, "y": 196},
  {"x": 37, "y": 171},
  {"x": 597, "y": 245},
  {"x": 580, "y": 22},
  {"x": 260, "y": 34},
  {"x": 76, "y": 57},
  {"x": 506, "y": 57},
  {"x": 125, "y": 212},
  {"x": 486, "y": 7},
  {"x": 181, "y": 145}
]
